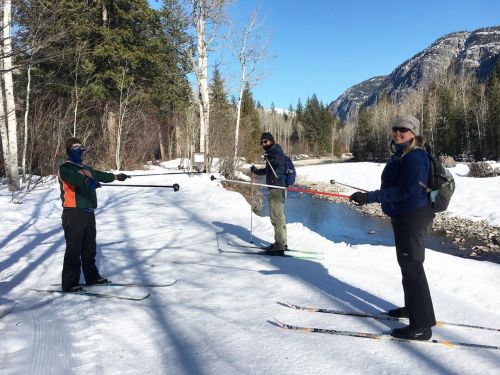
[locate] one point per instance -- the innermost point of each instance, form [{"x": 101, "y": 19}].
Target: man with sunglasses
[
  {"x": 406, "y": 202},
  {"x": 78, "y": 183},
  {"x": 275, "y": 175}
]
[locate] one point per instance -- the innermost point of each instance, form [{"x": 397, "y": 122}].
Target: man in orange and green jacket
[{"x": 78, "y": 183}]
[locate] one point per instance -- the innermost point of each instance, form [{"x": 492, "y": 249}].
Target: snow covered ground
[{"x": 214, "y": 320}]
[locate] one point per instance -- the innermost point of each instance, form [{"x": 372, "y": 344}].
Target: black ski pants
[
  {"x": 80, "y": 234},
  {"x": 409, "y": 233}
]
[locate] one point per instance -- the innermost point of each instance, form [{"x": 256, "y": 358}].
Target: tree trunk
[
  {"x": 4, "y": 133},
  {"x": 161, "y": 139},
  {"x": 202, "y": 75},
  {"x": 26, "y": 114},
  {"x": 238, "y": 112},
  {"x": 10, "y": 106},
  {"x": 112, "y": 128}
]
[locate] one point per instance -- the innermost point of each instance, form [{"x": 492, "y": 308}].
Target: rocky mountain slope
[{"x": 474, "y": 52}]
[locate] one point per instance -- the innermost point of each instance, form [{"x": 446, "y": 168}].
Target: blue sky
[{"x": 326, "y": 46}]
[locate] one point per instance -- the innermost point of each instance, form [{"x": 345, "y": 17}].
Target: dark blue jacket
[
  {"x": 400, "y": 191},
  {"x": 276, "y": 157}
]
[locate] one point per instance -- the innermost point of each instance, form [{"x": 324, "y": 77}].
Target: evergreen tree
[
  {"x": 317, "y": 122},
  {"x": 221, "y": 118},
  {"x": 250, "y": 129},
  {"x": 296, "y": 124},
  {"x": 493, "y": 95},
  {"x": 363, "y": 143},
  {"x": 86, "y": 53}
]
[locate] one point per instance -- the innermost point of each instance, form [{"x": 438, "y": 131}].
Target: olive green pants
[{"x": 277, "y": 214}]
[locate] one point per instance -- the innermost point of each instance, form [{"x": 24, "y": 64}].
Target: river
[{"x": 340, "y": 222}]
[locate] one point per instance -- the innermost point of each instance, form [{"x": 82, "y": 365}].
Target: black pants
[
  {"x": 80, "y": 234},
  {"x": 409, "y": 233}
]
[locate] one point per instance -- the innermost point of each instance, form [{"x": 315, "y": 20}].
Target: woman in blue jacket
[{"x": 406, "y": 202}]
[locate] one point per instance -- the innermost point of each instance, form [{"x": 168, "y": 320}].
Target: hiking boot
[
  {"x": 400, "y": 312},
  {"x": 276, "y": 249},
  {"x": 412, "y": 333},
  {"x": 100, "y": 280},
  {"x": 275, "y": 252},
  {"x": 270, "y": 247},
  {"x": 76, "y": 288}
]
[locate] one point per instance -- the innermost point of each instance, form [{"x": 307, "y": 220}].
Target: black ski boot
[
  {"x": 412, "y": 333},
  {"x": 99, "y": 280},
  {"x": 76, "y": 288},
  {"x": 400, "y": 312}
]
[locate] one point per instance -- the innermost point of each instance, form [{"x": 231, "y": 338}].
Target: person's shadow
[{"x": 312, "y": 273}]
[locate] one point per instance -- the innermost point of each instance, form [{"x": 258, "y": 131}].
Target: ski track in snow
[{"x": 50, "y": 331}]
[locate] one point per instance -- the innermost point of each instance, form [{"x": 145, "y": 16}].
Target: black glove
[
  {"x": 359, "y": 198},
  {"x": 121, "y": 177},
  {"x": 253, "y": 169},
  {"x": 92, "y": 184}
]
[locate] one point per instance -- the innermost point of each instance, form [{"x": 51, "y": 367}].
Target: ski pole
[
  {"x": 333, "y": 182},
  {"x": 162, "y": 174},
  {"x": 176, "y": 187},
  {"x": 306, "y": 191},
  {"x": 251, "y": 214}
]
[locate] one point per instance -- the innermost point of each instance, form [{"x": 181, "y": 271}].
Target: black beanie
[
  {"x": 267, "y": 136},
  {"x": 70, "y": 142}
]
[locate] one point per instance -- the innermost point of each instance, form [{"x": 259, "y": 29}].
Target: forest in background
[{"x": 118, "y": 75}]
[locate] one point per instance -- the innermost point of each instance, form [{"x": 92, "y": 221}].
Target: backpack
[
  {"x": 440, "y": 185},
  {"x": 290, "y": 172}
]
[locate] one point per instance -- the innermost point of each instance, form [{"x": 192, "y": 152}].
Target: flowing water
[{"x": 340, "y": 222}]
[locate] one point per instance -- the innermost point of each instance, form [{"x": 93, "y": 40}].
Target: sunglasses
[
  {"x": 77, "y": 146},
  {"x": 264, "y": 141},
  {"x": 401, "y": 130}
]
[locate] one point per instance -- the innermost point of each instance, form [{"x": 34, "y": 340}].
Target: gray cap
[{"x": 408, "y": 122}]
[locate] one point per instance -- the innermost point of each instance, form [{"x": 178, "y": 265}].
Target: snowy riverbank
[{"x": 474, "y": 211}]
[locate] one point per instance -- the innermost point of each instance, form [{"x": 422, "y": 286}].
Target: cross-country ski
[
  {"x": 378, "y": 336},
  {"x": 90, "y": 293},
  {"x": 380, "y": 316},
  {"x": 144, "y": 285}
]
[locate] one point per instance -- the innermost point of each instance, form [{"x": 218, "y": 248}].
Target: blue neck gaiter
[{"x": 75, "y": 155}]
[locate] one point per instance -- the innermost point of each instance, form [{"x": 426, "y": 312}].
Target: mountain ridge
[{"x": 474, "y": 52}]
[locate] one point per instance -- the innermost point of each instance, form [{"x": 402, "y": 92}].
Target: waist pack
[{"x": 440, "y": 185}]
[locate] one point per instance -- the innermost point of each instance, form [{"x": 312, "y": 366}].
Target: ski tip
[
  {"x": 284, "y": 304},
  {"x": 279, "y": 322},
  {"x": 275, "y": 323}
]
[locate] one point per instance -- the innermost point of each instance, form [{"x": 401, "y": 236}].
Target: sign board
[{"x": 199, "y": 157}]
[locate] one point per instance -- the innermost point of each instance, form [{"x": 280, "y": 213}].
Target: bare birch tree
[
  {"x": 9, "y": 100},
  {"x": 206, "y": 16},
  {"x": 126, "y": 93},
  {"x": 250, "y": 47}
]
